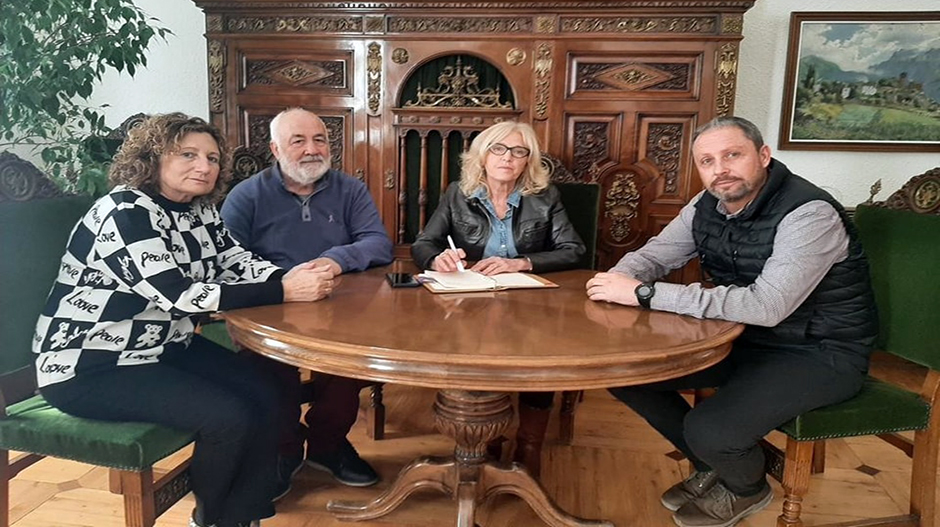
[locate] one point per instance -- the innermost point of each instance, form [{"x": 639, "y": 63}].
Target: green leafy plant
[{"x": 52, "y": 53}]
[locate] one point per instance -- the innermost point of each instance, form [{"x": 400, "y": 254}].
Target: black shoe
[
  {"x": 287, "y": 467},
  {"x": 345, "y": 465}
]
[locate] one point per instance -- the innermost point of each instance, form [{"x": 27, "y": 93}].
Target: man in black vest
[{"x": 785, "y": 260}]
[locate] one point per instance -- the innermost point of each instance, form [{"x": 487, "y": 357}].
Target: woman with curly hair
[
  {"x": 505, "y": 216},
  {"x": 116, "y": 340}
]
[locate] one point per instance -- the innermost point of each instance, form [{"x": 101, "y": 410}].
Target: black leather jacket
[{"x": 540, "y": 227}]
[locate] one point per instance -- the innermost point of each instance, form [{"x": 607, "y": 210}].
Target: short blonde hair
[
  {"x": 137, "y": 163},
  {"x": 534, "y": 178}
]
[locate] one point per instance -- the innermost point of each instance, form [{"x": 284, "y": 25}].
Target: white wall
[{"x": 176, "y": 80}]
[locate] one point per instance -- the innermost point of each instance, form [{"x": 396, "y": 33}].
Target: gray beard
[{"x": 305, "y": 173}]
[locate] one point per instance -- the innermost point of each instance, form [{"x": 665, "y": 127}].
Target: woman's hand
[
  {"x": 496, "y": 265},
  {"x": 308, "y": 282},
  {"x": 446, "y": 262},
  {"x": 613, "y": 287}
]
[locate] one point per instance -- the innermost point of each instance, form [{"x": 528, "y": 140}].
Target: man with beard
[
  {"x": 301, "y": 210},
  {"x": 784, "y": 260}
]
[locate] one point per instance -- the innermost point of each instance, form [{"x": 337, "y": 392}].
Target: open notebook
[{"x": 473, "y": 281}]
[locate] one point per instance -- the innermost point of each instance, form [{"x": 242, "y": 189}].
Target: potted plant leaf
[{"x": 52, "y": 53}]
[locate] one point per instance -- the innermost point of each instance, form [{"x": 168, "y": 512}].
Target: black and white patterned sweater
[{"x": 137, "y": 274}]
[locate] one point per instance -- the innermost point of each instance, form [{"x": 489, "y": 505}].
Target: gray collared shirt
[{"x": 809, "y": 241}]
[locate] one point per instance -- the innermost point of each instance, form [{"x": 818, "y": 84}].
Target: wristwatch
[{"x": 644, "y": 293}]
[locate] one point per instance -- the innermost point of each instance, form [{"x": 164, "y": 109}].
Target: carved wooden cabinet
[{"x": 614, "y": 89}]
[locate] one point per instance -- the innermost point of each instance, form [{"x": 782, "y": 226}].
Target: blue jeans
[{"x": 205, "y": 388}]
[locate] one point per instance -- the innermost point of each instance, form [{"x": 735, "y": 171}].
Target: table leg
[{"x": 471, "y": 419}]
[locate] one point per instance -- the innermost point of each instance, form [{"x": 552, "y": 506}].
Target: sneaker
[
  {"x": 697, "y": 484},
  {"x": 719, "y": 507},
  {"x": 345, "y": 465},
  {"x": 287, "y": 467}
]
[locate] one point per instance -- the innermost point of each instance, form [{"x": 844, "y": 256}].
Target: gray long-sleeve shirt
[{"x": 809, "y": 241}]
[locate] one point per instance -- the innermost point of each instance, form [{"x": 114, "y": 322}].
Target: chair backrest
[
  {"x": 582, "y": 203},
  {"x": 36, "y": 221},
  {"x": 901, "y": 238}
]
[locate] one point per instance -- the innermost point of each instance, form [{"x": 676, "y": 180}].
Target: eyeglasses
[{"x": 498, "y": 149}]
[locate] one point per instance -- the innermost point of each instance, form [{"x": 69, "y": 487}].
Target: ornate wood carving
[
  {"x": 559, "y": 172},
  {"x": 213, "y": 23},
  {"x": 664, "y": 148},
  {"x": 294, "y": 24},
  {"x": 634, "y": 76},
  {"x": 621, "y": 203},
  {"x": 732, "y": 24},
  {"x": 167, "y": 495},
  {"x": 515, "y": 57},
  {"x": 246, "y": 163},
  {"x": 375, "y": 24},
  {"x": 374, "y": 75},
  {"x": 400, "y": 56},
  {"x": 921, "y": 194},
  {"x": 259, "y": 134},
  {"x": 306, "y": 73},
  {"x": 216, "y": 62},
  {"x": 20, "y": 180},
  {"x": 505, "y": 24},
  {"x": 472, "y": 419},
  {"x": 336, "y": 129},
  {"x": 543, "y": 79},
  {"x": 592, "y": 146},
  {"x": 726, "y": 78},
  {"x": 120, "y": 133},
  {"x": 621, "y": 24},
  {"x": 458, "y": 87},
  {"x": 545, "y": 24}
]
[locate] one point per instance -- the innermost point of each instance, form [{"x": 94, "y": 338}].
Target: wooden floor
[{"x": 616, "y": 469}]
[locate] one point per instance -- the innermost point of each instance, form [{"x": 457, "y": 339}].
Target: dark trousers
[
  {"x": 758, "y": 390},
  {"x": 207, "y": 389},
  {"x": 332, "y": 413},
  {"x": 540, "y": 400}
]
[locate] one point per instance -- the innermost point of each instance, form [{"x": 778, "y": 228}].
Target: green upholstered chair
[
  {"x": 902, "y": 240},
  {"x": 582, "y": 203},
  {"x": 36, "y": 220}
]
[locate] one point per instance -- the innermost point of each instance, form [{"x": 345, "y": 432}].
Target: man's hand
[
  {"x": 613, "y": 287},
  {"x": 335, "y": 268},
  {"x": 307, "y": 282},
  {"x": 496, "y": 265},
  {"x": 446, "y": 262}
]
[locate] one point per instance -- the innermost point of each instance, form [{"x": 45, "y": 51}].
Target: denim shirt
[{"x": 501, "y": 242}]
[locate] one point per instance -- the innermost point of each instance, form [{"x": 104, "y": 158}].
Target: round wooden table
[{"x": 477, "y": 348}]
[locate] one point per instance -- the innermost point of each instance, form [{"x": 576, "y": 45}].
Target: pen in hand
[{"x": 450, "y": 241}]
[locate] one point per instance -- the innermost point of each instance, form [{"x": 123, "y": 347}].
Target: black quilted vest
[{"x": 838, "y": 316}]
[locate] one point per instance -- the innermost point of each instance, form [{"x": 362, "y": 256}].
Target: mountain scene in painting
[{"x": 868, "y": 82}]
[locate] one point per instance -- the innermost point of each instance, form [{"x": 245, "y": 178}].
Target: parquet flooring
[{"x": 616, "y": 469}]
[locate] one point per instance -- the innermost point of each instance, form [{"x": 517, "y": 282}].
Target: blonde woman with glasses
[{"x": 504, "y": 216}]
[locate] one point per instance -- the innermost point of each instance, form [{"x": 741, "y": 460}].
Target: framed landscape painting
[{"x": 867, "y": 81}]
